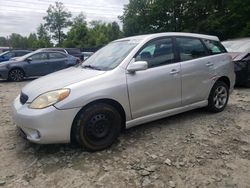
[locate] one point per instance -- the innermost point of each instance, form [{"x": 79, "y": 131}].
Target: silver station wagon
[{"x": 129, "y": 82}]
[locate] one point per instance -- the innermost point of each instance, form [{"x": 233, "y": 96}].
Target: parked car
[
  {"x": 71, "y": 51},
  {"x": 86, "y": 55},
  {"x": 4, "y": 49},
  {"x": 240, "y": 52},
  {"x": 5, "y": 56},
  {"x": 129, "y": 82},
  {"x": 35, "y": 64}
]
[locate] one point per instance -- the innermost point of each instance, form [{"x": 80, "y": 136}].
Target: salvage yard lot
[{"x": 193, "y": 149}]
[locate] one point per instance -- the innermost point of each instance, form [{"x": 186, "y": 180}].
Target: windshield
[
  {"x": 110, "y": 56},
  {"x": 22, "y": 58},
  {"x": 237, "y": 45},
  {"x": 4, "y": 53}
]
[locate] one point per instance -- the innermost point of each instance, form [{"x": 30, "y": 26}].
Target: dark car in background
[
  {"x": 240, "y": 52},
  {"x": 86, "y": 55},
  {"x": 35, "y": 64},
  {"x": 5, "y": 56},
  {"x": 71, "y": 51}
]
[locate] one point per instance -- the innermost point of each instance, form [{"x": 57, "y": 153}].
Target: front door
[
  {"x": 159, "y": 87},
  {"x": 36, "y": 66}
]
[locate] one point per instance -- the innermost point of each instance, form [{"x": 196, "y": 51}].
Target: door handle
[
  {"x": 174, "y": 71},
  {"x": 209, "y": 64}
]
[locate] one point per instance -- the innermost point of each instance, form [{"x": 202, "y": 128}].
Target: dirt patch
[{"x": 193, "y": 149}]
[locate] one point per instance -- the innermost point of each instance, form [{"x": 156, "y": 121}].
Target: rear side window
[
  {"x": 214, "y": 47},
  {"x": 56, "y": 56},
  {"x": 190, "y": 48},
  {"x": 156, "y": 53}
]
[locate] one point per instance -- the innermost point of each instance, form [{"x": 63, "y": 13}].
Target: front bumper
[{"x": 44, "y": 126}]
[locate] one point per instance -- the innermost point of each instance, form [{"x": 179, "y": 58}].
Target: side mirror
[
  {"x": 137, "y": 66},
  {"x": 29, "y": 59}
]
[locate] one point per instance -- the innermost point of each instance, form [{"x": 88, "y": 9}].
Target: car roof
[
  {"x": 20, "y": 51},
  {"x": 51, "y": 49},
  {"x": 142, "y": 37}
]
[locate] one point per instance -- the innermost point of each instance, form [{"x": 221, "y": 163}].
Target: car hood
[
  {"x": 58, "y": 80},
  {"x": 238, "y": 56},
  {"x": 5, "y": 63}
]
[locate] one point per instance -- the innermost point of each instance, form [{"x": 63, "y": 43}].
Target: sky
[{"x": 24, "y": 16}]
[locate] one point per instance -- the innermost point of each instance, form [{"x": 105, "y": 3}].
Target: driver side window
[{"x": 156, "y": 53}]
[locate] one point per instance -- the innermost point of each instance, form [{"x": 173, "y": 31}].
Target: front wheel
[
  {"x": 97, "y": 127},
  {"x": 218, "y": 97},
  {"x": 16, "y": 75}
]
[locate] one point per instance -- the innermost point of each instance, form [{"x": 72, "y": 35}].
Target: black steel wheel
[
  {"x": 16, "y": 75},
  {"x": 97, "y": 127},
  {"x": 218, "y": 97}
]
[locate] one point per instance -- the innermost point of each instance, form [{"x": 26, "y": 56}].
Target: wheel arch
[
  {"x": 111, "y": 102},
  {"x": 225, "y": 79},
  {"x": 16, "y": 67}
]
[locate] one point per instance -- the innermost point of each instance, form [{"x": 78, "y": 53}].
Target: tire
[
  {"x": 218, "y": 97},
  {"x": 16, "y": 75},
  {"x": 97, "y": 127}
]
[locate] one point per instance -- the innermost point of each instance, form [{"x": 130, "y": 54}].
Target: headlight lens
[{"x": 49, "y": 98}]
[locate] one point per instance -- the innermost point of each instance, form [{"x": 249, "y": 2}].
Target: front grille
[{"x": 23, "y": 98}]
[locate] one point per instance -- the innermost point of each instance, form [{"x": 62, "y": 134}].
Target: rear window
[{"x": 214, "y": 47}]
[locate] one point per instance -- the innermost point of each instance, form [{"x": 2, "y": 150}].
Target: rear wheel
[
  {"x": 97, "y": 127},
  {"x": 218, "y": 97},
  {"x": 16, "y": 75}
]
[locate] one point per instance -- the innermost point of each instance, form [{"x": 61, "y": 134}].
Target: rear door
[
  {"x": 158, "y": 88},
  {"x": 57, "y": 61},
  {"x": 197, "y": 69}
]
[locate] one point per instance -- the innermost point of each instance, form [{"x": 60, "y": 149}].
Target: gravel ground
[{"x": 193, "y": 149}]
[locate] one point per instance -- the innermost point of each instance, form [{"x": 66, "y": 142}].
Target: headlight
[{"x": 49, "y": 98}]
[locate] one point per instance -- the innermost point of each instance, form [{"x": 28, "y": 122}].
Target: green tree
[
  {"x": 77, "y": 35},
  {"x": 226, "y": 19},
  {"x": 3, "y": 41},
  {"x": 43, "y": 37},
  {"x": 57, "y": 19},
  {"x": 114, "y": 31},
  {"x": 32, "y": 40},
  {"x": 18, "y": 41},
  {"x": 80, "y": 19},
  {"x": 101, "y": 33}
]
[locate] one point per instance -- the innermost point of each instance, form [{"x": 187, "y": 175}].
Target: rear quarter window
[{"x": 214, "y": 47}]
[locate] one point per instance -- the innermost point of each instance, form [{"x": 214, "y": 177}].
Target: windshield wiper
[{"x": 91, "y": 67}]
